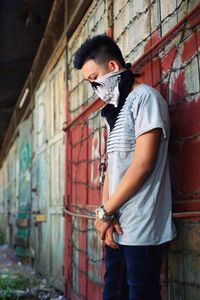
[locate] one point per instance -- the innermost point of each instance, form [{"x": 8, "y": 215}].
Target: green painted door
[{"x": 24, "y": 201}]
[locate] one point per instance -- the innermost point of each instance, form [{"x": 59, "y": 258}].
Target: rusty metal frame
[
  {"x": 74, "y": 214},
  {"x": 180, "y": 215},
  {"x": 187, "y": 215}
]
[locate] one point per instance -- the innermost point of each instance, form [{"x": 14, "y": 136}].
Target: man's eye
[{"x": 94, "y": 78}]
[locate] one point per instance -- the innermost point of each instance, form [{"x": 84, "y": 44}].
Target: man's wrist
[
  {"x": 103, "y": 215},
  {"x": 108, "y": 209}
]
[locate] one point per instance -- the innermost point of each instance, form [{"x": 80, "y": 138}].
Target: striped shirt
[{"x": 146, "y": 218}]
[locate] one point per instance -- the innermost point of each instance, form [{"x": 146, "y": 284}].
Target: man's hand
[
  {"x": 114, "y": 227},
  {"x": 109, "y": 241},
  {"x": 102, "y": 227}
]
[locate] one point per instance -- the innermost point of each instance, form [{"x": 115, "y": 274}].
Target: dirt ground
[{"x": 19, "y": 281}]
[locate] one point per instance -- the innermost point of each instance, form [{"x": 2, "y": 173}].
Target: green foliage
[{"x": 9, "y": 284}]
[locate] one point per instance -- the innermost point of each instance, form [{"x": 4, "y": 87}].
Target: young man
[{"x": 135, "y": 218}]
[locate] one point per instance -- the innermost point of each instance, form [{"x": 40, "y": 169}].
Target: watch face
[{"x": 100, "y": 214}]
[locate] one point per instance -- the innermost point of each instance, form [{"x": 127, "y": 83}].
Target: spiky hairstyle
[{"x": 100, "y": 48}]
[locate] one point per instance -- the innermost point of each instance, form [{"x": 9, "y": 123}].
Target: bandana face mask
[{"x": 107, "y": 87}]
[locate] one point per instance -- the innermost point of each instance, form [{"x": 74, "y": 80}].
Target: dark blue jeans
[{"x": 132, "y": 273}]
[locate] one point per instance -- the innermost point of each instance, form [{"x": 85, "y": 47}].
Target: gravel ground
[{"x": 19, "y": 281}]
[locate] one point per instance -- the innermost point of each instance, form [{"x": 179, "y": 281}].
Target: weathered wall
[
  {"x": 165, "y": 50},
  {"x": 32, "y": 179},
  {"x": 47, "y": 238},
  {"x": 9, "y": 195}
]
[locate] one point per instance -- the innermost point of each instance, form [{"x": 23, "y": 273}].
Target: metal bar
[
  {"x": 95, "y": 105},
  {"x": 159, "y": 18},
  {"x": 186, "y": 215},
  {"x": 70, "y": 213},
  {"x": 186, "y": 205},
  {"x": 110, "y": 18},
  {"x": 180, "y": 215}
]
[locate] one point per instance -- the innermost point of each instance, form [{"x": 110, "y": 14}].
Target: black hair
[{"x": 100, "y": 48}]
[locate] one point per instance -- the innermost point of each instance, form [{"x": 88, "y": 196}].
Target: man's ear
[{"x": 113, "y": 66}]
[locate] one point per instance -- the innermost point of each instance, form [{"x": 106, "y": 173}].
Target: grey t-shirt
[{"x": 146, "y": 218}]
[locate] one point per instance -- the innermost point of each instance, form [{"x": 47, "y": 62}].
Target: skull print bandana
[{"x": 107, "y": 87}]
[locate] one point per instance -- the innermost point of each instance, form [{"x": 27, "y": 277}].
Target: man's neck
[{"x": 135, "y": 84}]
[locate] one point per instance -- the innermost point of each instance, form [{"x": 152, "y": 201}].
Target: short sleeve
[{"x": 150, "y": 112}]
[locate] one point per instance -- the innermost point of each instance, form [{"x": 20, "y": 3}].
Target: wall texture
[
  {"x": 32, "y": 180},
  {"x": 47, "y": 237},
  {"x": 161, "y": 40}
]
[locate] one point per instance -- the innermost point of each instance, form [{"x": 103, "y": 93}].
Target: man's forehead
[{"x": 90, "y": 68}]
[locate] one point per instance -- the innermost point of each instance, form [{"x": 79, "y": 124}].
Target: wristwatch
[{"x": 103, "y": 216}]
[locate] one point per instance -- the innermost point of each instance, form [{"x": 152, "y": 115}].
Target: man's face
[{"x": 92, "y": 71}]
